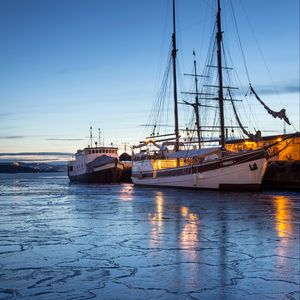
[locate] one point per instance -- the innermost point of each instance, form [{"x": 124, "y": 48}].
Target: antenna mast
[
  {"x": 99, "y": 134},
  {"x": 91, "y": 136},
  {"x": 221, "y": 96}
]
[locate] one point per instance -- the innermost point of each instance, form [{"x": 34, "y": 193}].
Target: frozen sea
[{"x": 78, "y": 241}]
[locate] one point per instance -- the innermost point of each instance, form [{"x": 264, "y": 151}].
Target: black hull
[
  {"x": 283, "y": 175},
  {"x": 126, "y": 175},
  {"x": 111, "y": 175}
]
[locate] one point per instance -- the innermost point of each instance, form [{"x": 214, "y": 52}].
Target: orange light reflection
[
  {"x": 283, "y": 216},
  {"x": 189, "y": 234},
  {"x": 157, "y": 219},
  {"x": 283, "y": 224}
]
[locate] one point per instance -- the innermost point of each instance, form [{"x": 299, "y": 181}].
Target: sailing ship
[
  {"x": 97, "y": 164},
  {"x": 169, "y": 162}
]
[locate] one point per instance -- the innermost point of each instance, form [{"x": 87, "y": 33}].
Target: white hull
[{"x": 239, "y": 176}]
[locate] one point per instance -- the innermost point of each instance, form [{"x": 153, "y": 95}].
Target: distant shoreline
[{"x": 19, "y": 167}]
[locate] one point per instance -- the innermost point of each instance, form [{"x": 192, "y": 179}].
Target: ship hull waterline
[
  {"x": 239, "y": 173},
  {"x": 105, "y": 175}
]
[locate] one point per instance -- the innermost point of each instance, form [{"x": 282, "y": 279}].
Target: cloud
[
  {"x": 6, "y": 114},
  {"x": 35, "y": 157},
  {"x": 281, "y": 89},
  {"x": 61, "y": 139},
  {"x": 292, "y": 89},
  {"x": 8, "y": 127},
  {"x": 157, "y": 125},
  {"x": 11, "y": 137},
  {"x": 36, "y": 153}
]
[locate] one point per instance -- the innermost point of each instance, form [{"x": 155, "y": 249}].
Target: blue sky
[{"x": 66, "y": 65}]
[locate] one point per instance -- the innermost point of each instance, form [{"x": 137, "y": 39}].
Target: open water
[{"x": 77, "y": 241}]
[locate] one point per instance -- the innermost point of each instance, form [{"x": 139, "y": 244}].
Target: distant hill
[{"x": 20, "y": 167}]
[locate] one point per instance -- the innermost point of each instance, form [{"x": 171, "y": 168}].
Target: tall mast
[
  {"x": 197, "y": 102},
  {"x": 221, "y": 96},
  {"x": 174, "y": 50}
]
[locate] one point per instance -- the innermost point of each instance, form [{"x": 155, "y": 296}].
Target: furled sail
[
  {"x": 275, "y": 114},
  {"x": 251, "y": 136}
]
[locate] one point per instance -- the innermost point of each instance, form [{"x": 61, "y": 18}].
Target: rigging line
[
  {"x": 267, "y": 148},
  {"x": 168, "y": 99},
  {"x": 240, "y": 42},
  {"x": 159, "y": 103},
  {"x": 233, "y": 117},
  {"x": 251, "y": 115},
  {"x": 206, "y": 28},
  {"x": 247, "y": 133},
  {"x": 287, "y": 144},
  {"x": 228, "y": 78},
  {"x": 261, "y": 53},
  {"x": 162, "y": 47},
  {"x": 155, "y": 114}
]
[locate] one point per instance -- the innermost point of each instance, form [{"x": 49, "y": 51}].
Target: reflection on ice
[
  {"x": 126, "y": 192},
  {"x": 284, "y": 225},
  {"x": 156, "y": 219},
  {"x": 189, "y": 233},
  {"x": 67, "y": 241}
]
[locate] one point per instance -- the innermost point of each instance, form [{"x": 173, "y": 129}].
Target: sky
[{"x": 66, "y": 65}]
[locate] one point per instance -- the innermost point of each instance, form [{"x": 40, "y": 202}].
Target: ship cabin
[
  {"x": 98, "y": 151},
  {"x": 89, "y": 154}
]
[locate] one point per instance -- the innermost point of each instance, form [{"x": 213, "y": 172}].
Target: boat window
[{"x": 93, "y": 151}]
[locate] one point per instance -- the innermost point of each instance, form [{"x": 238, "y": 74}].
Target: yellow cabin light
[
  {"x": 159, "y": 164},
  {"x": 146, "y": 141},
  {"x": 279, "y": 139}
]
